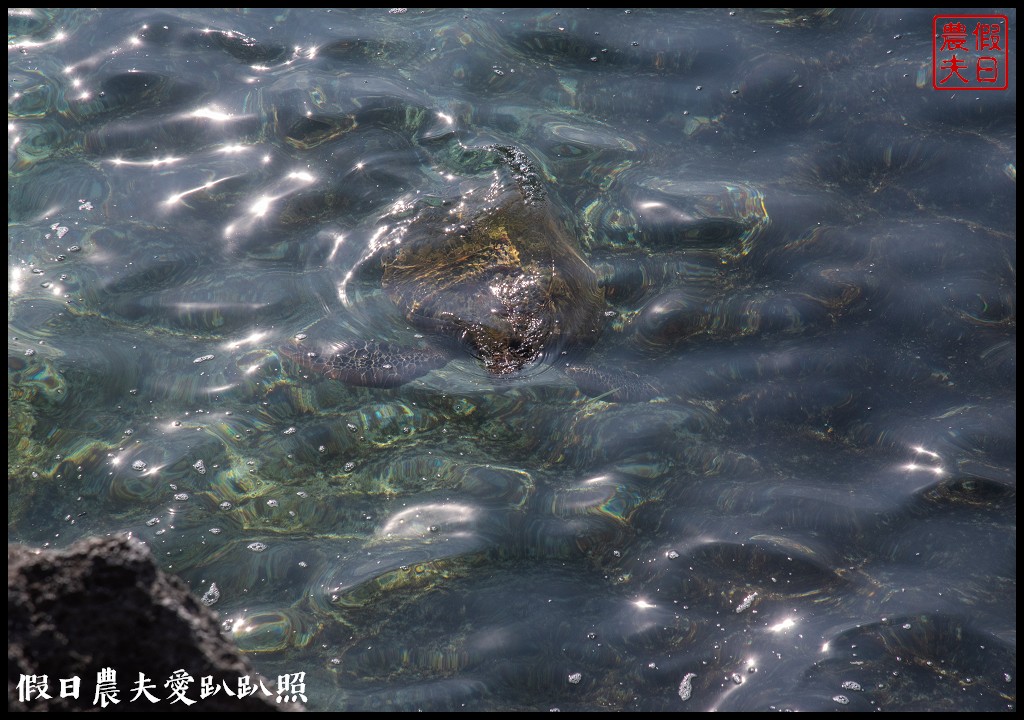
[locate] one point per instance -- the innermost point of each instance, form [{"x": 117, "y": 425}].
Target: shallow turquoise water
[{"x": 807, "y": 250}]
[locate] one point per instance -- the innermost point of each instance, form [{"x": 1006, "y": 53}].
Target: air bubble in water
[{"x": 211, "y": 596}]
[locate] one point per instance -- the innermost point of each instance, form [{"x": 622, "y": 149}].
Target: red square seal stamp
[{"x": 970, "y": 52}]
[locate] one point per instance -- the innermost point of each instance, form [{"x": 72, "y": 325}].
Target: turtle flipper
[
  {"x": 612, "y": 385},
  {"x": 369, "y": 364}
]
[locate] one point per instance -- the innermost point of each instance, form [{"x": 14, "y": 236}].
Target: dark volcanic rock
[{"x": 103, "y": 603}]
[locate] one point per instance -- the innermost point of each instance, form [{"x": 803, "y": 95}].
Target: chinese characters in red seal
[{"x": 970, "y": 52}]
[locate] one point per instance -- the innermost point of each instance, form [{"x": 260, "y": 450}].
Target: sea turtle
[{"x": 496, "y": 271}]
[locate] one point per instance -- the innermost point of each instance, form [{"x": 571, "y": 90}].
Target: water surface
[{"x": 807, "y": 252}]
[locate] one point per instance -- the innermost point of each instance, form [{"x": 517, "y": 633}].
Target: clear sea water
[{"x": 807, "y": 250}]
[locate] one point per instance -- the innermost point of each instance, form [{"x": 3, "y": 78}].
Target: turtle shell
[{"x": 503, "y": 277}]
